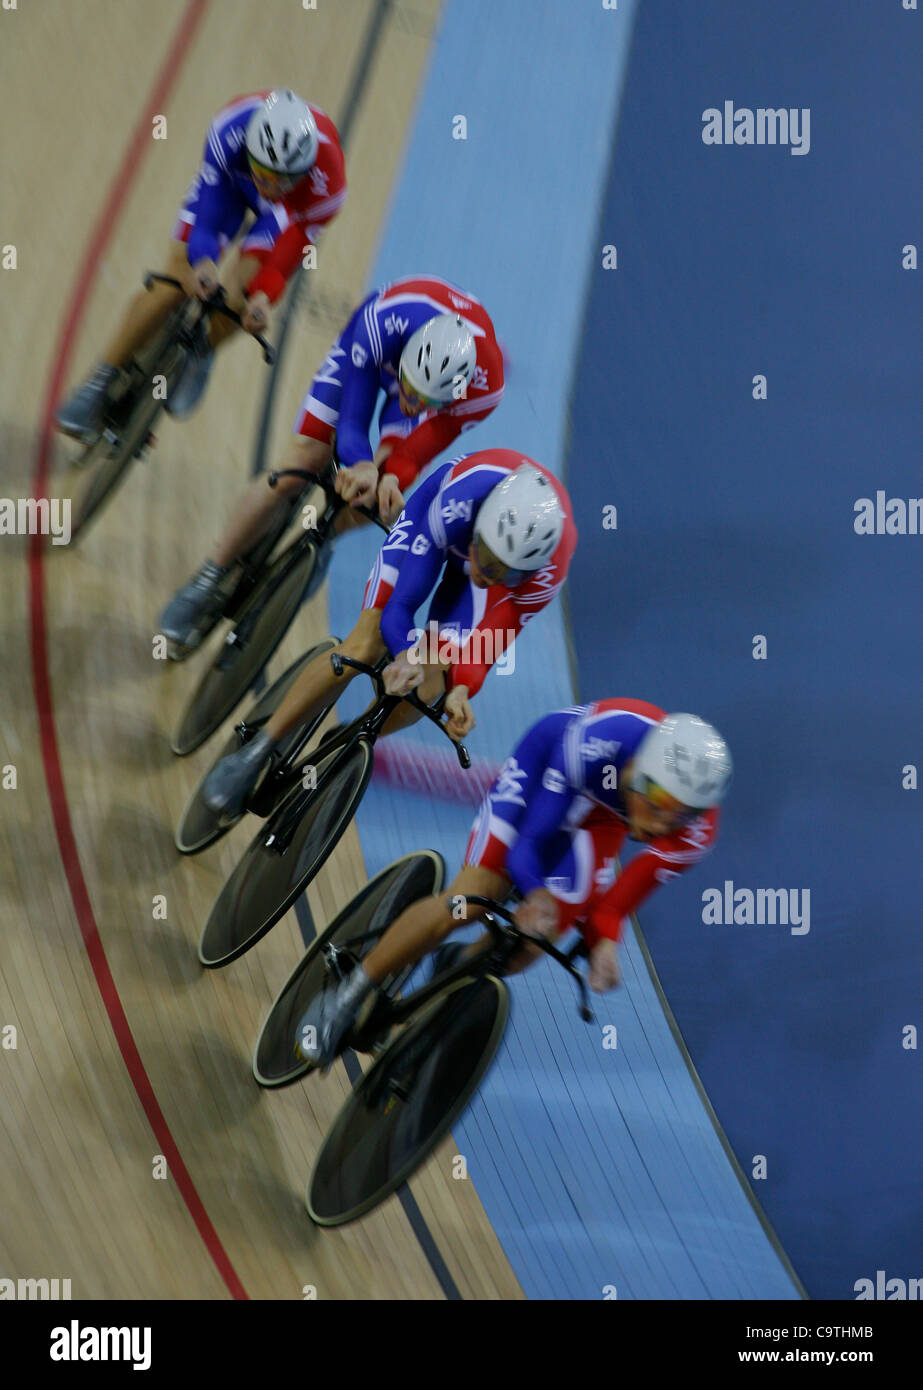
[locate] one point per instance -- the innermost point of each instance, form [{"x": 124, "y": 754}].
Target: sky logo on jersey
[
  {"x": 459, "y": 302},
  {"x": 602, "y": 748},
  {"x": 455, "y": 508},
  {"x": 478, "y": 380},
  {"x": 509, "y": 784},
  {"x": 553, "y": 781},
  {"x": 395, "y": 324}
]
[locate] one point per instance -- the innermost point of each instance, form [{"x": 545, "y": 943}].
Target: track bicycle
[
  {"x": 132, "y": 406},
  {"x": 261, "y": 620},
  {"x": 309, "y": 806},
  {"x": 432, "y": 1047}
]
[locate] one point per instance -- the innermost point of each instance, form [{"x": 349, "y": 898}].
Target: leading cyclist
[{"x": 578, "y": 782}]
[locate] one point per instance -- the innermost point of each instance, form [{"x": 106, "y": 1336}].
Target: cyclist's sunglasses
[
  {"x": 415, "y": 397},
  {"x": 493, "y": 569},
  {"x": 282, "y": 183},
  {"x": 660, "y": 800}
]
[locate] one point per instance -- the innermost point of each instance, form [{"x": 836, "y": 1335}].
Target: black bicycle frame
[{"x": 387, "y": 1012}]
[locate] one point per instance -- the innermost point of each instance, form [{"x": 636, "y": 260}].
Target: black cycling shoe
[
  {"x": 231, "y": 781},
  {"x": 447, "y": 956}
]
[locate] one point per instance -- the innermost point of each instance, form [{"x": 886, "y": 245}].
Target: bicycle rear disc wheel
[
  {"x": 198, "y": 826},
  {"x": 404, "y": 1104},
  {"x": 234, "y": 670},
  {"x": 267, "y": 881},
  {"x": 375, "y": 906}
]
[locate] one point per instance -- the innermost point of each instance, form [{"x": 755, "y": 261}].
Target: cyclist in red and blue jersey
[
  {"x": 578, "y": 782},
  {"x": 425, "y": 349},
  {"x": 270, "y": 154},
  {"x": 490, "y": 537}
]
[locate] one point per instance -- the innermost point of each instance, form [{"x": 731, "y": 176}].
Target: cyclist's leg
[
  {"x": 258, "y": 507},
  {"x": 310, "y": 446},
  {"x": 318, "y": 684},
  {"x": 147, "y": 310},
  {"x": 423, "y": 925}
]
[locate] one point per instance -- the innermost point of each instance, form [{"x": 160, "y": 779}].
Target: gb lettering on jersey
[{"x": 553, "y": 781}]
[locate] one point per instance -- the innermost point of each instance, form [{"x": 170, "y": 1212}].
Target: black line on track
[
  {"x": 299, "y": 288},
  {"x": 412, "y": 1212},
  {"x": 380, "y": 14}
]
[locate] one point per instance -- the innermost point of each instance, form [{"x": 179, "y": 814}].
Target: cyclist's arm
[
  {"x": 548, "y": 800},
  {"x": 664, "y": 859},
  {"x": 217, "y": 199},
  {"x": 279, "y": 264},
  {"x": 494, "y": 634},
  {"x": 420, "y": 569}
]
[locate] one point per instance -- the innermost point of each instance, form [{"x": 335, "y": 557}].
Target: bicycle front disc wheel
[
  {"x": 406, "y": 1102},
  {"x": 198, "y": 826},
  {"x": 269, "y": 878},
  {"x": 375, "y": 906}
]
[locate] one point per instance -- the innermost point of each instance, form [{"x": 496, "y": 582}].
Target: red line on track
[{"x": 67, "y": 844}]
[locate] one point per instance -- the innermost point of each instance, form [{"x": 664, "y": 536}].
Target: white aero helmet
[
  {"x": 438, "y": 356},
  {"x": 521, "y": 519},
  {"x": 687, "y": 758},
  {"x": 282, "y": 135}
]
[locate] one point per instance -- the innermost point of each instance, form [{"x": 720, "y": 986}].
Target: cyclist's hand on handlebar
[
  {"x": 604, "y": 967},
  {"x": 404, "y": 674},
  {"x": 461, "y": 716},
  {"x": 537, "y": 914},
  {"x": 358, "y": 484},
  {"x": 201, "y": 279},
  {"x": 390, "y": 499},
  {"x": 254, "y": 316}
]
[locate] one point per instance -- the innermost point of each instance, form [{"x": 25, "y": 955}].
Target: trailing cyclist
[{"x": 270, "y": 154}]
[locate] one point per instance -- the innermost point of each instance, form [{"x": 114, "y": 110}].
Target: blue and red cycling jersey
[
  {"x": 555, "y": 817},
  {"x": 428, "y": 547},
  {"x": 364, "y": 361},
  {"x": 223, "y": 190}
]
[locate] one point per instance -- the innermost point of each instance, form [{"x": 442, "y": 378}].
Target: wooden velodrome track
[{"x": 125, "y": 1049}]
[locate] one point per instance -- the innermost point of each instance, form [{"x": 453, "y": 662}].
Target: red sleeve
[
  {"x": 662, "y": 860},
  {"x": 497, "y": 630},
  {"x": 310, "y": 210},
  {"x": 410, "y": 456}
]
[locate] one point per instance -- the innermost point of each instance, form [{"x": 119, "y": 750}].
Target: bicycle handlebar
[
  {"x": 214, "y": 304},
  {"x": 505, "y": 914},
  {"x": 432, "y": 712},
  {"x": 327, "y": 487}
]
